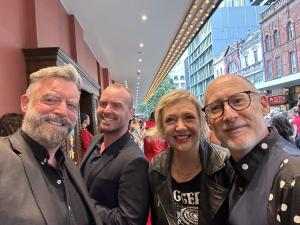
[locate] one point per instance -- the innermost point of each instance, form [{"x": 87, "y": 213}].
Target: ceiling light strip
[{"x": 198, "y": 14}]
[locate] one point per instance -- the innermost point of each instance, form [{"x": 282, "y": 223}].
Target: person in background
[
  {"x": 85, "y": 135},
  {"x": 153, "y": 144},
  {"x": 284, "y": 128},
  {"x": 10, "y": 123},
  {"x": 266, "y": 190},
  {"x": 190, "y": 181},
  {"x": 296, "y": 124},
  {"x": 38, "y": 184},
  {"x": 114, "y": 168},
  {"x": 136, "y": 132}
]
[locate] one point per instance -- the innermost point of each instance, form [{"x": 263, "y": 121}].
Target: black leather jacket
[{"x": 217, "y": 179}]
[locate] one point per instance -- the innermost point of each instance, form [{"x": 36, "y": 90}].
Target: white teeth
[
  {"x": 181, "y": 137},
  {"x": 55, "y": 123},
  {"x": 108, "y": 119}
]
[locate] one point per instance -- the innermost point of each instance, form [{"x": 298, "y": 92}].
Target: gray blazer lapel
[{"x": 35, "y": 177}]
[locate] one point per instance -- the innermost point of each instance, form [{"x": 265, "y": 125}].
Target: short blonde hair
[
  {"x": 67, "y": 72},
  {"x": 173, "y": 97}
]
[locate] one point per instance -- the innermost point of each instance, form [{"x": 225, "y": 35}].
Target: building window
[
  {"x": 246, "y": 60},
  {"x": 277, "y": 67},
  {"x": 255, "y": 56},
  {"x": 181, "y": 77},
  {"x": 276, "y": 39},
  {"x": 290, "y": 31},
  {"x": 267, "y": 43},
  {"x": 269, "y": 67},
  {"x": 175, "y": 78},
  {"x": 293, "y": 62},
  {"x": 232, "y": 67}
]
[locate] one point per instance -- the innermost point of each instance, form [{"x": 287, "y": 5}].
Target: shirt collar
[
  {"x": 118, "y": 144},
  {"x": 40, "y": 153},
  {"x": 247, "y": 166}
]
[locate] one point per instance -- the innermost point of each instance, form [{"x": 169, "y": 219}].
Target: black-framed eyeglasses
[{"x": 238, "y": 102}]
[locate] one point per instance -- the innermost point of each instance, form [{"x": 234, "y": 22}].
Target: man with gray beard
[{"x": 38, "y": 184}]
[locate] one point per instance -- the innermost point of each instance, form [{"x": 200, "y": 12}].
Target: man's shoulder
[
  {"x": 9, "y": 143},
  {"x": 5, "y": 147},
  {"x": 131, "y": 149},
  {"x": 289, "y": 168}
]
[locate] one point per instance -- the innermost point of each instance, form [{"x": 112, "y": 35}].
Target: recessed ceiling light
[
  {"x": 139, "y": 71},
  {"x": 144, "y": 17},
  {"x": 139, "y": 78},
  {"x": 141, "y": 45},
  {"x": 140, "y": 60}
]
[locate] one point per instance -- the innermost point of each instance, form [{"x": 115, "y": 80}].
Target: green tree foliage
[{"x": 165, "y": 87}]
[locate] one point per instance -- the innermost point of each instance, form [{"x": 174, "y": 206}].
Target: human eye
[
  {"x": 116, "y": 105},
  {"x": 238, "y": 99},
  {"x": 215, "y": 107},
  {"x": 169, "y": 120},
  {"x": 189, "y": 118},
  {"x": 102, "y": 104},
  {"x": 50, "y": 100},
  {"x": 72, "y": 106}
]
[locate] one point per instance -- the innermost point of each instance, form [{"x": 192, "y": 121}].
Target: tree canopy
[{"x": 165, "y": 87}]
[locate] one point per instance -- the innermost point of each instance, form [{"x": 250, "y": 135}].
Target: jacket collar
[
  {"x": 211, "y": 159},
  {"x": 35, "y": 176}
]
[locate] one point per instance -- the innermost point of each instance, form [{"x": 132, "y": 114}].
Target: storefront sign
[{"x": 277, "y": 99}]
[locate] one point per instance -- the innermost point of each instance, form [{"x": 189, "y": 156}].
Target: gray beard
[{"x": 33, "y": 127}]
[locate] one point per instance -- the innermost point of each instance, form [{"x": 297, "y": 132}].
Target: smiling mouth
[
  {"x": 182, "y": 138},
  {"x": 56, "y": 123},
  {"x": 105, "y": 119}
]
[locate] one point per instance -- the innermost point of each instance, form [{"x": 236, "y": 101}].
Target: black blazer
[
  {"x": 23, "y": 195},
  {"x": 119, "y": 182}
]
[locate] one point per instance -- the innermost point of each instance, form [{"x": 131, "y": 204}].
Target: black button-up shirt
[
  {"x": 95, "y": 155},
  {"x": 284, "y": 198},
  {"x": 65, "y": 198}
]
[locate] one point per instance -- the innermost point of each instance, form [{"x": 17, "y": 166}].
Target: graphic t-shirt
[{"x": 186, "y": 197}]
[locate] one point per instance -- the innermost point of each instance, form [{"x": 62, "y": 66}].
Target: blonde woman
[{"x": 190, "y": 181}]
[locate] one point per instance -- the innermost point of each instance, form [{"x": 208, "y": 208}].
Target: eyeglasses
[
  {"x": 238, "y": 102},
  {"x": 52, "y": 100}
]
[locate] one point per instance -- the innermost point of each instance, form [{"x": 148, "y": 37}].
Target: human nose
[
  {"x": 228, "y": 112},
  {"x": 61, "y": 108},
  {"x": 180, "y": 125}
]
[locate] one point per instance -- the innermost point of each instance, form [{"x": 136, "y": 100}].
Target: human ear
[
  {"x": 265, "y": 104},
  {"x": 24, "y": 103}
]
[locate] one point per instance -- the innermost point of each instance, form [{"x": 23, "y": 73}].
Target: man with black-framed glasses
[{"x": 267, "y": 185}]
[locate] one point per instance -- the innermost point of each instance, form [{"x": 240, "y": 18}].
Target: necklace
[{"x": 184, "y": 176}]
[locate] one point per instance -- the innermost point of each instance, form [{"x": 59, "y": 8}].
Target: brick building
[{"x": 280, "y": 29}]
